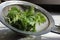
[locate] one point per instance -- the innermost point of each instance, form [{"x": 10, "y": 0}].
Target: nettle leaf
[{"x": 25, "y": 19}]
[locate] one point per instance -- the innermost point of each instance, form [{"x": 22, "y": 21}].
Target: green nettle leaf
[{"x": 24, "y": 20}]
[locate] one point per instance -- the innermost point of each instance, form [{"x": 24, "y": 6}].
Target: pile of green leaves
[{"x": 25, "y": 20}]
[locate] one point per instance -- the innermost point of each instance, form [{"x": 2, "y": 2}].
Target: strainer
[{"x": 6, "y": 5}]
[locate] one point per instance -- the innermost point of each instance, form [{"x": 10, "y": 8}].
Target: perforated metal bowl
[{"x": 3, "y": 12}]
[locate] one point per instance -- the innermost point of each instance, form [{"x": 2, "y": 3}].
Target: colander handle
[{"x": 54, "y": 30}]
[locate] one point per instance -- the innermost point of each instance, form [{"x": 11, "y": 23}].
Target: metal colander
[{"x": 7, "y": 5}]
